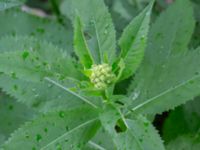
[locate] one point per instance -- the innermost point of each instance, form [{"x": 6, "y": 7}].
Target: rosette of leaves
[{"x": 72, "y": 112}]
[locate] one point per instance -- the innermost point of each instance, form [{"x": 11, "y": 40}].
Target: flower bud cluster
[{"x": 102, "y": 76}]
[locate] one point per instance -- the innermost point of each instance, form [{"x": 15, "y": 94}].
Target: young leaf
[
  {"x": 32, "y": 59},
  {"x": 166, "y": 86},
  {"x": 98, "y": 27},
  {"x": 80, "y": 45},
  {"x": 13, "y": 115},
  {"x": 133, "y": 41},
  {"x": 5, "y": 4},
  {"x": 138, "y": 133},
  {"x": 40, "y": 28},
  {"x": 58, "y": 130}
]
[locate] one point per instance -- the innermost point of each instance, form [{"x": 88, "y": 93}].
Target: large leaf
[
  {"x": 134, "y": 40},
  {"x": 162, "y": 76},
  {"x": 170, "y": 34},
  {"x": 32, "y": 59},
  {"x": 5, "y": 4},
  {"x": 45, "y": 96},
  {"x": 15, "y": 22},
  {"x": 80, "y": 45},
  {"x": 58, "y": 130},
  {"x": 168, "y": 85},
  {"x": 13, "y": 115},
  {"x": 98, "y": 27},
  {"x": 139, "y": 133}
]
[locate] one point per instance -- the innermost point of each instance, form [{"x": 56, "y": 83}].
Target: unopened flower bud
[{"x": 102, "y": 76}]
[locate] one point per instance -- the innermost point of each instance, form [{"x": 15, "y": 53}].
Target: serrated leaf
[
  {"x": 58, "y": 130},
  {"x": 80, "y": 45},
  {"x": 43, "y": 96},
  {"x": 161, "y": 76},
  {"x": 40, "y": 28},
  {"x": 13, "y": 115},
  {"x": 166, "y": 86},
  {"x": 32, "y": 59},
  {"x": 139, "y": 133},
  {"x": 98, "y": 27},
  {"x": 144, "y": 135},
  {"x": 5, "y": 4},
  {"x": 170, "y": 34},
  {"x": 134, "y": 40},
  {"x": 123, "y": 11}
]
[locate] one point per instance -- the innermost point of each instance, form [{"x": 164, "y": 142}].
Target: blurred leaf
[
  {"x": 13, "y": 115},
  {"x": 15, "y": 22},
  {"x": 186, "y": 118},
  {"x": 5, "y": 4},
  {"x": 185, "y": 142}
]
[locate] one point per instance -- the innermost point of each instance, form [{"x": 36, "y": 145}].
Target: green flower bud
[{"x": 102, "y": 76}]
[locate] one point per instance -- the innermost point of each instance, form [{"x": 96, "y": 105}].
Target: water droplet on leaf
[
  {"x": 38, "y": 137},
  {"x": 25, "y": 54}
]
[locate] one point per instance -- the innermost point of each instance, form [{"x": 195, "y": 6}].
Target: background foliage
[{"x": 47, "y": 100}]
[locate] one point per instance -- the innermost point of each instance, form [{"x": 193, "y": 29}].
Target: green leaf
[
  {"x": 98, "y": 27},
  {"x": 44, "y": 96},
  {"x": 123, "y": 11},
  {"x": 80, "y": 45},
  {"x": 58, "y": 130},
  {"x": 139, "y": 133},
  {"x": 160, "y": 77},
  {"x": 144, "y": 134},
  {"x": 187, "y": 142},
  {"x": 13, "y": 115},
  {"x": 32, "y": 59},
  {"x": 101, "y": 141},
  {"x": 2, "y": 139},
  {"x": 166, "y": 86},
  {"x": 15, "y": 22},
  {"x": 5, "y": 4},
  {"x": 187, "y": 118},
  {"x": 76, "y": 94},
  {"x": 134, "y": 40},
  {"x": 170, "y": 34}
]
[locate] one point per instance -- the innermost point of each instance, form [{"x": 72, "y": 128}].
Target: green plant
[{"x": 72, "y": 99}]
